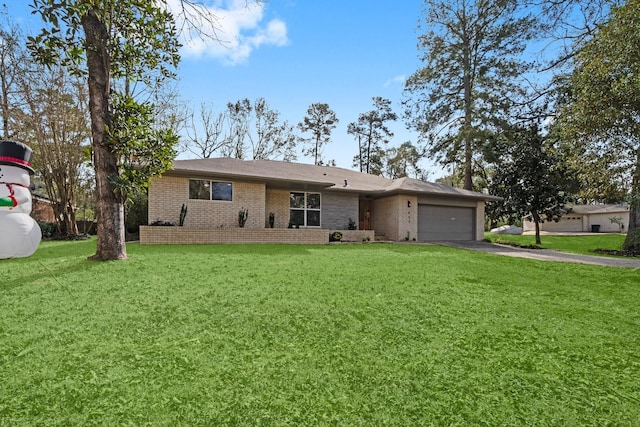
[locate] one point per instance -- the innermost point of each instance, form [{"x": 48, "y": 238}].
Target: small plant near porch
[{"x": 243, "y": 214}]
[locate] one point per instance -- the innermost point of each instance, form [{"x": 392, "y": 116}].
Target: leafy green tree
[
  {"x": 371, "y": 133},
  {"x": 532, "y": 179},
  {"x": 472, "y": 55},
  {"x": 404, "y": 161},
  {"x": 319, "y": 121},
  {"x": 604, "y": 104},
  {"x": 109, "y": 41}
]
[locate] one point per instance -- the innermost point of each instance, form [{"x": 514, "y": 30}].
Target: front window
[
  {"x": 304, "y": 209},
  {"x": 204, "y": 189}
]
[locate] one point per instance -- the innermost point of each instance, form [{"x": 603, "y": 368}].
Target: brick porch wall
[{"x": 150, "y": 235}]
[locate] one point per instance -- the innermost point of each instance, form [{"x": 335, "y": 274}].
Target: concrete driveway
[{"x": 545, "y": 254}]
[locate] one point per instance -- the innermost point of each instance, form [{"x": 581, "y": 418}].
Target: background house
[
  {"x": 586, "y": 218},
  {"x": 311, "y": 197}
]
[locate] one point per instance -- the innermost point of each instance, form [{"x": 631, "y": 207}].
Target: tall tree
[
  {"x": 532, "y": 179},
  {"x": 604, "y": 106},
  {"x": 319, "y": 121},
  {"x": 371, "y": 132},
  {"x": 55, "y": 119},
  {"x": 472, "y": 61},
  {"x": 271, "y": 138},
  {"x": 239, "y": 118},
  {"x": 106, "y": 41},
  {"x": 14, "y": 70},
  {"x": 205, "y": 135},
  {"x": 243, "y": 129}
]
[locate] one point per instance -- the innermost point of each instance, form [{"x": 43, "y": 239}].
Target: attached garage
[{"x": 436, "y": 222}]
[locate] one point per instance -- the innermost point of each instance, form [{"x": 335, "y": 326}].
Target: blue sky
[{"x": 298, "y": 52}]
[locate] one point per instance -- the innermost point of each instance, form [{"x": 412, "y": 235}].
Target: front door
[{"x": 364, "y": 222}]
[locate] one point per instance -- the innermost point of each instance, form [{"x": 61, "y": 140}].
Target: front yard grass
[
  {"x": 579, "y": 244},
  {"x": 348, "y": 335}
]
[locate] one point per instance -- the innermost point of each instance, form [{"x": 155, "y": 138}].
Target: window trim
[
  {"x": 211, "y": 186},
  {"x": 304, "y": 209}
]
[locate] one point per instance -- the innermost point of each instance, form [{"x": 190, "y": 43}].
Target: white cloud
[
  {"x": 397, "y": 79},
  {"x": 231, "y": 29}
]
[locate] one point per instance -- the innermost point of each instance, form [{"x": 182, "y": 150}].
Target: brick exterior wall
[
  {"x": 213, "y": 221},
  {"x": 150, "y": 235},
  {"x": 277, "y": 202},
  {"x": 167, "y": 194},
  {"x": 42, "y": 210},
  {"x": 393, "y": 218}
]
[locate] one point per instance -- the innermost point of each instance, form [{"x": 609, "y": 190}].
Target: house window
[
  {"x": 304, "y": 209},
  {"x": 204, "y": 189}
]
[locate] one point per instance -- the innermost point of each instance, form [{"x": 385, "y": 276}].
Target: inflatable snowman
[{"x": 19, "y": 233}]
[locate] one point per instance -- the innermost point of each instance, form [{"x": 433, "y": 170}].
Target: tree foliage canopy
[
  {"x": 532, "y": 178},
  {"x": 603, "y": 111},
  {"x": 111, "y": 42},
  {"x": 320, "y": 122},
  {"x": 371, "y": 133},
  {"x": 471, "y": 56}
]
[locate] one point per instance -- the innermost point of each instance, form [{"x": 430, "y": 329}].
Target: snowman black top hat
[{"x": 15, "y": 153}]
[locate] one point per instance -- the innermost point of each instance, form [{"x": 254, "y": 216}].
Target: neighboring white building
[{"x": 586, "y": 218}]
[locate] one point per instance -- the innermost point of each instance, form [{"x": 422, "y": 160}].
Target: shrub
[{"x": 336, "y": 236}]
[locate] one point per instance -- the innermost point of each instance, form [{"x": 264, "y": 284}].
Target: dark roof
[
  {"x": 598, "y": 209},
  {"x": 287, "y": 174}
]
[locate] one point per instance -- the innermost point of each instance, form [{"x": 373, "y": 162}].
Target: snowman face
[{"x": 14, "y": 175}]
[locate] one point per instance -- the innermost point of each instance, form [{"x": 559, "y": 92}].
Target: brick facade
[
  {"x": 217, "y": 221},
  {"x": 196, "y": 235},
  {"x": 277, "y": 202},
  {"x": 167, "y": 194},
  {"x": 394, "y": 218}
]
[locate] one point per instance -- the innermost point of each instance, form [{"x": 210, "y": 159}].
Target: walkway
[{"x": 545, "y": 254}]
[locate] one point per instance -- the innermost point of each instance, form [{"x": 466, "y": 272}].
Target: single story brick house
[
  {"x": 301, "y": 197},
  {"x": 586, "y": 218}
]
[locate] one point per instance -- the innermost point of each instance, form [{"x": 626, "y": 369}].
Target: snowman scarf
[{"x": 10, "y": 200}]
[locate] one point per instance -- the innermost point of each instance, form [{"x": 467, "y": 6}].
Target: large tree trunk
[
  {"x": 536, "y": 221},
  {"x": 632, "y": 241},
  {"x": 109, "y": 207},
  {"x": 466, "y": 127}
]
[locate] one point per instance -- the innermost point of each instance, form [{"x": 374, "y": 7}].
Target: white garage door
[
  {"x": 567, "y": 223},
  {"x": 445, "y": 223}
]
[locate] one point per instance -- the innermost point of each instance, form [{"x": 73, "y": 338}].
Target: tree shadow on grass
[{"x": 51, "y": 261}]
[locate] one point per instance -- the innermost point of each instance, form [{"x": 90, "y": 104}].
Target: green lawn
[
  {"x": 579, "y": 244},
  {"x": 344, "y": 335}
]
